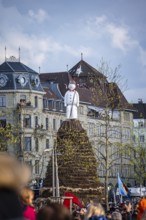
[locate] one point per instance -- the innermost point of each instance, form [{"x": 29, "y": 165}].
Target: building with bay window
[{"x": 36, "y": 103}]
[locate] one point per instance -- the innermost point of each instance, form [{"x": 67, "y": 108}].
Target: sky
[{"x": 52, "y": 34}]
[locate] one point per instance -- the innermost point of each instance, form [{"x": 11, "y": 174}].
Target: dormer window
[
  {"x": 22, "y": 80},
  {"x": 35, "y": 80},
  {"x": 3, "y": 80}
]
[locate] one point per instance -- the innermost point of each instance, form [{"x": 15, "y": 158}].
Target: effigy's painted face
[{"x": 71, "y": 86}]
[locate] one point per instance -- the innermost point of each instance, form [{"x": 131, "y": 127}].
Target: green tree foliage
[
  {"x": 137, "y": 157},
  {"x": 9, "y": 134}
]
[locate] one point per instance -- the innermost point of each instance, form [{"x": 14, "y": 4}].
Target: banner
[{"x": 75, "y": 200}]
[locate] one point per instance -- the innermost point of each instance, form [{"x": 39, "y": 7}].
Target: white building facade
[{"x": 37, "y": 106}]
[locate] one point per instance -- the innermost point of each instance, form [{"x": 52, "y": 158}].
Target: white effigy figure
[{"x": 71, "y": 101}]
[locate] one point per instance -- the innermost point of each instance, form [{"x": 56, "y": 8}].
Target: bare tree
[{"x": 108, "y": 145}]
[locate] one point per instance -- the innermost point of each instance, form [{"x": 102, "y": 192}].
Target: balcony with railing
[{"x": 23, "y": 104}]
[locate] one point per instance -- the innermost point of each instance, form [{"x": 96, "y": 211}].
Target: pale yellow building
[{"x": 35, "y": 103}]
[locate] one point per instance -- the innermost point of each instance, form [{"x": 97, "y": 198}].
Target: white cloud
[
  {"x": 119, "y": 35},
  {"x": 99, "y": 21},
  {"x": 40, "y": 16},
  {"x": 121, "y": 38},
  {"x": 37, "y": 50}
]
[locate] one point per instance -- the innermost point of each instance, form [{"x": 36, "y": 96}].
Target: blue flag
[{"x": 123, "y": 190}]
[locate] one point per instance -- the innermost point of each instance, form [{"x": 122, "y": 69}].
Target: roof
[
  {"x": 49, "y": 94},
  {"x": 60, "y": 78},
  {"x": 14, "y": 75},
  {"x": 141, "y": 110},
  {"x": 98, "y": 91},
  {"x": 82, "y": 68},
  {"x": 15, "y": 67}
]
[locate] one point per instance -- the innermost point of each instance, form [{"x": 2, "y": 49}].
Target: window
[
  {"x": 3, "y": 123},
  {"x": 126, "y": 116},
  {"x": 27, "y": 121},
  {"x": 98, "y": 130},
  {"x": 61, "y": 106},
  {"x": 91, "y": 129},
  {"x": 61, "y": 122},
  {"x": 101, "y": 170},
  {"x": 27, "y": 143},
  {"x": 54, "y": 124},
  {"x": 114, "y": 132},
  {"x": 36, "y": 121},
  {"x": 50, "y": 104},
  {"x": 47, "y": 123},
  {"x": 29, "y": 163},
  {"x": 134, "y": 138},
  {"x": 45, "y": 103},
  {"x": 102, "y": 130},
  {"x": 36, "y": 101},
  {"x": 36, "y": 145},
  {"x": 58, "y": 105},
  {"x": 54, "y": 105},
  {"x": 2, "y": 101},
  {"x": 22, "y": 98},
  {"x": 140, "y": 124},
  {"x": 126, "y": 133},
  {"x": 81, "y": 110},
  {"x": 47, "y": 143},
  {"x": 36, "y": 166},
  {"x": 141, "y": 138},
  {"x": 116, "y": 115}
]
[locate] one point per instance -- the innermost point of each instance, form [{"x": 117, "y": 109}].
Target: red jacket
[{"x": 29, "y": 213}]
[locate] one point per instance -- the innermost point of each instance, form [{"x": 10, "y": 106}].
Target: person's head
[
  {"x": 13, "y": 174},
  {"x": 54, "y": 211},
  {"x": 90, "y": 211},
  {"x": 98, "y": 210},
  {"x": 116, "y": 216},
  {"x": 45, "y": 213},
  {"x": 26, "y": 196}
]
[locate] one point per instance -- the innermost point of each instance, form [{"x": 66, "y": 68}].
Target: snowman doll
[{"x": 71, "y": 101}]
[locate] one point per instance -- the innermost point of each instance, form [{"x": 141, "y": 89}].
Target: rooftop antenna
[
  {"x": 39, "y": 69},
  {"x": 81, "y": 56},
  {"x": 19, "y": 54},
  {"x": 5, "y": 52},
  {"x": 67, "y": 67}
]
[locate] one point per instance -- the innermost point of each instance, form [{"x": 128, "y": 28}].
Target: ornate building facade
[{"x": 36, "y": 104}]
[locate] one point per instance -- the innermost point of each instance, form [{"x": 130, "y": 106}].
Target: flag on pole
[
  {"x": 74, "y": 200},
  {"x": 123, "y": 190}
]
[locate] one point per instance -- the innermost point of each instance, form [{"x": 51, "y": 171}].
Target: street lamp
[{"x": 55, "y": 179}]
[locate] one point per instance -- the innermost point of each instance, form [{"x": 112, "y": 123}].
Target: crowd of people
[{"x": 17, "y": 200}]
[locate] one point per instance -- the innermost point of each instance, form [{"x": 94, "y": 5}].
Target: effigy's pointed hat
[{"x": 72, "y": 82}]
